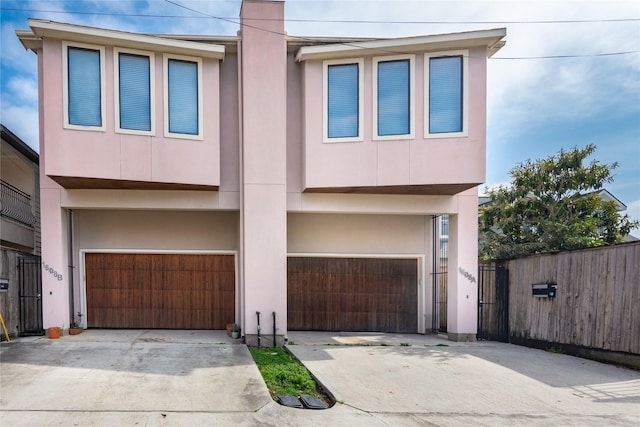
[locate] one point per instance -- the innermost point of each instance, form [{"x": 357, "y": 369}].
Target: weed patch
[{"x": 284, "y": 374}]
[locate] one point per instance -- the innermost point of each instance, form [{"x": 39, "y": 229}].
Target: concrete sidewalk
[{"x": 193, "y": 378}]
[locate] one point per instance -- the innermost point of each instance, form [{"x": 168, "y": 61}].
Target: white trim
[
  {"x": 83, "y": 279},
  {"x": 325, "y": 100},
  {"x": 65, "y": 86},
  {"x": 341, "y": 49},
  {"x": 79, "y": 33},
  {"x": 465, "y": 94},
  {"x": 421, "y": 258},
  {"x": 165, "y": 84},
  {"x": 412, "y": 96},
  {"x": 116, "y": 90}
]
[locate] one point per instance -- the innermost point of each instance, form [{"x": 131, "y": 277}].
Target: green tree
[{"x": 550, "y": 205}]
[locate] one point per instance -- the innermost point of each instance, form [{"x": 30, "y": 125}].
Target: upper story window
[
  {"x": 83, "y": 86},
  {"x": 394, "y": 87},
  {"x": 343, "y": 100},
  {"x": 183, "y": 97},
  {"x": 446, "y": 87},
  {"x": 134, "y": 94}
]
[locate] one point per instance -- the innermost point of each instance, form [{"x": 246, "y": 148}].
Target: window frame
[
  {"x": 65, "y": 86},
  {"x": 325, "y": 100},
  {"x": 465, "y": 93},
  {"x": 165, "y": 78},
  {"x": 116, "y": 90},
  {"x": 412, "y": 96}
]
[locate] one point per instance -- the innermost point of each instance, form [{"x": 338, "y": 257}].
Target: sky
[{"x": 569, "y": 74}]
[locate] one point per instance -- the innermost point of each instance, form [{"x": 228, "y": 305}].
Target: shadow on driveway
[
  {"x": 427, "y": 374},
  {"x": 131, "y": 371}
]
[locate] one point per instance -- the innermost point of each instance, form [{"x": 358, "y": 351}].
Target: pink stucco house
[{"x": 190, "y": 182}]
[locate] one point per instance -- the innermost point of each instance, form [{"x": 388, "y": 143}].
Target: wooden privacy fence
[{"x": 597, "y": 304}]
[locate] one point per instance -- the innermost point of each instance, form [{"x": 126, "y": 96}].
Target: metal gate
[
  {"x": 439, "y": 280},
  {"x": 493, "y": 302},
  {"x": 30, "y": 278}
]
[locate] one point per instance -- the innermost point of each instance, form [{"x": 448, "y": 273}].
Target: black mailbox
[
  {"x": 4, "y": 285},
  {"x": 544, "y": 290}
]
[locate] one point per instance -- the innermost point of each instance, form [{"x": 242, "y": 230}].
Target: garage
[
  {"x": 352, "y": 294},
  {"x": 160, "y": 291}
]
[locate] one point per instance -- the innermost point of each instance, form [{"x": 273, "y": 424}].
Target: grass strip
[{"x": 283, "y": 373}]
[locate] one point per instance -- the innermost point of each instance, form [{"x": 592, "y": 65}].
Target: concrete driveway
[
  {"x": 193, "y": 378},
  {"x": 427, "y": 380}
]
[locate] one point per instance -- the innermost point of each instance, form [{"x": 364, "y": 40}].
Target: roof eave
[
  {"x": 19, "y": 144},
  {"x": 77, "y": 33},
  {"x": 29, "y": 40},
  {"x": 492, "y": 39}
]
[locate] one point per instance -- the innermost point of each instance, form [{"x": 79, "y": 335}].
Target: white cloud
[
  {"x": 23, "y": 122},
  {"x": 24, "y": 89},
  {"x": 19, "y": 109},
  {"x": 14, "y": 56},
  {"x": 525, "y": 92}
]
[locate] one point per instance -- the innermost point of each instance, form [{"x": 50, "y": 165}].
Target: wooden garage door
[
  {"x": 166, "y": 291},
  {"x": 352, "y": 294}
]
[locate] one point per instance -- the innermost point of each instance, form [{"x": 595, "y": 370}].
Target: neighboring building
[
  {"x": 603, "y": 193},
  {"x": 607, "y": 196},
  {"x": 19, "y": 235},
  {"x": 190, "y": 182}
]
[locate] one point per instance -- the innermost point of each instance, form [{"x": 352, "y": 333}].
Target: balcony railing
[{"x": 15, "y": 205}]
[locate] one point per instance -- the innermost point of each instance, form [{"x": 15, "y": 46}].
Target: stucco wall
[
  {"x": 358, "y": 234},
  {"x": 111, "y": 155},
  {"x": 415, "y": 161},
  {"x": 229, "y": 127},
  {"x": 158, "y": 230},
  {"x": 263, "y": 78}
]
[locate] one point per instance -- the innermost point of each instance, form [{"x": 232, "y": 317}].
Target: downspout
[
  {"x": 435, "y": 250},
  {"x": 241, "y": 315},
  {"x": 71, "y": 267}
]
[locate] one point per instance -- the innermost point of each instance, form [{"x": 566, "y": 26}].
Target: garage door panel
[
  {"x": 173, "y": 299},
  {"x": 228, "y": 298},
  {"x": 200, "y": 280},
  {"x": 109, "y": 278},
  {"x": 96, "y": 297},
  {"x": 198, "y": 299},
  {"x": 171, "y": 291},
  {"x": 172, "y": 279},
  {"x": 359, "y": 294},
  {"x": 346, "y": 302},
  {"x": 318, "y": 320},
  {"x": 139, "y": 279}
]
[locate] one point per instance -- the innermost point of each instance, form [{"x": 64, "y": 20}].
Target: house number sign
[
  {"x": 467, "y": 275},
  {"x": 51, "y": 271}
]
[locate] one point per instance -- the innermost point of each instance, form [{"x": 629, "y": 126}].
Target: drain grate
[
  {"x": 311, "y": 402},
  {"x": 288, "y": 400}
]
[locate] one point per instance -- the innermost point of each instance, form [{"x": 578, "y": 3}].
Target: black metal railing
[
  {"x": 493, "y": 302},
  {"x": 15, "y": 204}
]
